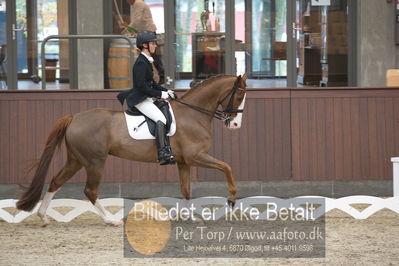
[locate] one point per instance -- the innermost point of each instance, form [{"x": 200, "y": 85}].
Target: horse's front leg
[
  {"x": 205, "y": 160},
  {"x": 184, "y": 174}
]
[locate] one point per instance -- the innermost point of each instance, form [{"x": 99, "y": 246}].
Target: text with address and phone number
[{"x": 255, "y": 227}]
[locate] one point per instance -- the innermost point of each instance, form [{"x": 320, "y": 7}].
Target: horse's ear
[
  {"x": 245, "y": 76},
  {"x": 238, "y": 80}
]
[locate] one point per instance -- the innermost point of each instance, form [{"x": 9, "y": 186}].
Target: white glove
[
  {"x": 171, "y": 94},
  {"x": 164, "y": 95}
]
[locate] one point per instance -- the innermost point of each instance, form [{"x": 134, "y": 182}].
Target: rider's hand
[
  {"x": 164, "y": 95},
  {"x": 172, "y": 94}
]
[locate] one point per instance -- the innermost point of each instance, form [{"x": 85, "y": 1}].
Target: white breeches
[{"x": 148, "y": 108}]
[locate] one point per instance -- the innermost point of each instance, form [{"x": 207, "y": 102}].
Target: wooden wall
[
  {"x": 344, "y": 135},
  {"x": 287, "y": 134}
]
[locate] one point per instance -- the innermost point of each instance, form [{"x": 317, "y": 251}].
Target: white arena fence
[
  {"x": 345, "y": 204},
  {"x": 79, "y": 207}
]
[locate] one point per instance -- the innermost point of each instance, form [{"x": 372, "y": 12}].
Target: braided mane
[{"x": 205, "y": 83}]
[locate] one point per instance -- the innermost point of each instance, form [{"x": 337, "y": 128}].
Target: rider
[{"x": 145, "y": 89}]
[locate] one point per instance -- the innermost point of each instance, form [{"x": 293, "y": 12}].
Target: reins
[{"x": 220, "y": 115}]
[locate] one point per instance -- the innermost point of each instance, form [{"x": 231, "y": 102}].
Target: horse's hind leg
[
  {"x": 94, "y": 172},
  {"x": 70, "y": 168}
]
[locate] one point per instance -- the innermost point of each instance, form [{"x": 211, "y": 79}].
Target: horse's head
[{"x": 233, "y": 103}]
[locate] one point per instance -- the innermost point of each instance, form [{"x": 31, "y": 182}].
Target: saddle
[{"x": 163, "y": 106}]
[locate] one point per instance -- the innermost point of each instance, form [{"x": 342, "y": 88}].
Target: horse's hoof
[
  {"x": 44, "y": 219},
  {"x": 231, "y": 203},
  {"x": 116, "y": 223}
]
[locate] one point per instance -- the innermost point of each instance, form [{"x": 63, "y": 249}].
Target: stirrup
[
  {"x": 166, "y": 156},
  {"x": 166, "y": 162}
]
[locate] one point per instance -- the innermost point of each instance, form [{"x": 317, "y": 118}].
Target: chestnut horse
[{"x": 91, "y": 135}]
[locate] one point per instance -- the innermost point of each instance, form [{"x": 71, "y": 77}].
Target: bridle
[
  {"x": 229, "y": 107},
  {"x": 218, "y": 114}
]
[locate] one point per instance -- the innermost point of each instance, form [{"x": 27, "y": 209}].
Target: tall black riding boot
[{"x": 165, "y": 154}]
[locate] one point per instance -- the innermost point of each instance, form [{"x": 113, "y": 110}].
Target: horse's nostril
[{"x": 235, "y": 124}]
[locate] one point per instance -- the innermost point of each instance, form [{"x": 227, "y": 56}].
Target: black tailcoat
[{"x": 144, "y": 85}]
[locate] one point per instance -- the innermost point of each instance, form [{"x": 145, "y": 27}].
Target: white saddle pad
[{"x": 142, "y": 132}]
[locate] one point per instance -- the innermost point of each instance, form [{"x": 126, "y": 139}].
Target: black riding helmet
[{"x": 145, "y": 36}]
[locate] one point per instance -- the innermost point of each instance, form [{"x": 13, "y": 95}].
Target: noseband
[{"x": 220, "y": 115}]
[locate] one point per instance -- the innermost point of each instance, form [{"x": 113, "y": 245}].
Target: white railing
[{"x": 79, "y": 207}]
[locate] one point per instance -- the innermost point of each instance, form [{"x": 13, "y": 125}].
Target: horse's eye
[{"x": 239, "y": 99}]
